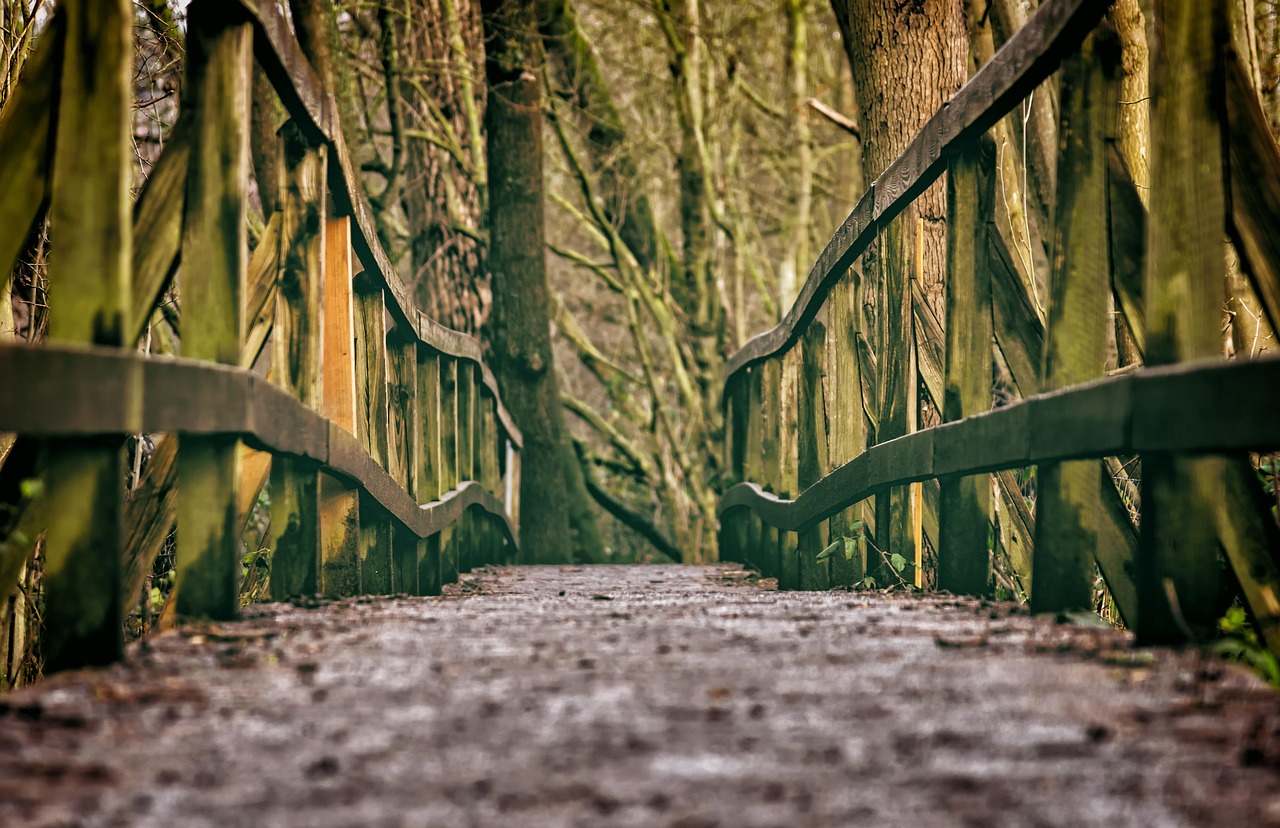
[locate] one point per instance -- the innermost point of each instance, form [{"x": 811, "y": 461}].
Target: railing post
[
  {"x": 465, "y": 447},
  {"x": 770, "y": 544},
  {"x": 964, "y": 503},
  {"x": 787, "y": 479},
  {"x": 371, "y": 427},
  {"x": 341, "y": 543},
  {"x": 1076, "y": 334},
  {"x": 429, "y": 464},
  {"x": 1185, "y": 289},
  {"x": 448, "y": 463},
  {"x": 402, "y": 350},
  {"x": 848, "y": 426},
  {"x": 812, "y": 446},
  {"x": 295, "y": 536},
  {"x": 753, "y": 462},
  {"x": 82, "y": 504},
  {"x": 214, "y": 236}
]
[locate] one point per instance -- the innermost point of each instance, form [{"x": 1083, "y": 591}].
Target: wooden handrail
[
  {"x": 1055, "y": 30},
  {"x": 1207, "y": 407},
  {"x": 116, "y": 392}
]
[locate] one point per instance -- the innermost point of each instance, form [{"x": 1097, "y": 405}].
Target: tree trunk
[{"x": 519, "y": 330}]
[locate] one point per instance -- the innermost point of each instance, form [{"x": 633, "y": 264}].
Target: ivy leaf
[
  {"x": 899, "y": 562},
  {"x": 829, "y": 551}
]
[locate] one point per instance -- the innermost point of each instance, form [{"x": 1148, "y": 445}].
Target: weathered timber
[
  {"x": 1254, "y": 161},
  {"x": 1128, "y": 240},
  {"x": 372, "y": 411},
  {"x": 1055, "y": 30},
  {"x": 82, "y": 506},
  {"x": 430, "y": 471},
  {"x": 1116, "y": 416},
  {"x": 964, "y": 509},
  {"x": 160, "y": 212},
  {"x": 260, "y": 306},
  {"x": 847, "y": 425},
  {"x": 25, "y": 144},
  {"x": 402, "y": 393},
  {"x": 339, "y": 358},
  {"x": 1076, "y": 336},
  {"x": 449, "y": 478},
  {"x": 215, "y": 235},
  {"x": 770, "y": 544},
  {"x": 812, "y": 451},
  {"x": 753, "y": 462},
  {"x": 464, "y": 445},
  {"x": 1185, "y": 286},
  {"x": 788, "y": 483},
  {"x": 898, "y": 259},
  {"x": 375, "y": 563}
]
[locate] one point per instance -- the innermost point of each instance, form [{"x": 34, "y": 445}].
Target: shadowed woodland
[{"x": 486, "y": 283}]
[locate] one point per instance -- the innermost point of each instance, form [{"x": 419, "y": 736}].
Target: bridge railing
[
  {"x": 835, "y": 483},
  {"x": 393, "y": 464}
]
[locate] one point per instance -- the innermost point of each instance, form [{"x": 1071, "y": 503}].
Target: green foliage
[
  {"x": 848, "y": 545},
  {"x": 1240, "y": 643}
]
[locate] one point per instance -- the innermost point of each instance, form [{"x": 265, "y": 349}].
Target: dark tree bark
[{"x": 519, "y": 329}]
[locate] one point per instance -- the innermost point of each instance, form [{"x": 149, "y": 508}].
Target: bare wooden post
[
  {"x": 1067, "y": 536},
  {"x": 402, "y": 394},
  {"x": 449, "y": 463},
  {"x": 90, "y": 292},
  {"x": 753, "y": 462},
  {"x": 465, "y": 447},
  {"x": 964, "y": 509},
  {"x": 340, "y": 540},
  {"x": 429, "y": 465},
  {"x": 812, "y": 446},
  {"x": 1185, "y": 289},
  {"x": 789, "y": 572},
  {"x": 848, "y": 426},
  {"x": 295, "y": 535},
  {"x": 372, "y": 415},
  {"x": 897, "y": 392},
  {"x": 771, "y": 471},
  {"x": 733, "y": 526}
]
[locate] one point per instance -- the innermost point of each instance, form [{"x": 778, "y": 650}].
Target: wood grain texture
[
  {"x": 964, "y": 510},
  {"x": 339, "y": 357}
]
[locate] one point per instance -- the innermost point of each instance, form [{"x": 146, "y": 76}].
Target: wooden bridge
[{"x": 556, "y": 696}]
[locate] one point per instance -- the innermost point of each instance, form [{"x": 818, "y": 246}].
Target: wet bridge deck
[{"x": 646, "y": 696}]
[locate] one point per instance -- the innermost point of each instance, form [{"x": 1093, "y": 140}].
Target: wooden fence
[
  {"x": 393, "y": 464},
  {"x": 832, "y": 481}
]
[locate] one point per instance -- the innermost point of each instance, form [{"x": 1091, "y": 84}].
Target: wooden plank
[
  {"x": 898, "y": 383},
  {"x": 25, "y": 145},
  {"x": 465, "y": 446},
  {"x": 214, "y": 235},
  {"x": 402, "y": 392},
  {"x": 260, "y": 306},
  {"x": 339, "y": 384},
  {"x": 769, "y": 549},
  {"x": 1254, "y": 162},
  {"x": 304, "y": 511},
  {"x": 812, "y": 451},
  {"x": 375, "y": 547},
  {"x": 848, "y": 429},
  {"x": 756, "y": 436},
  {"x": 449, "y": 478},
  {"x": 964, "y": 506},
  {"x": 1185, "y": 287},
  {"x": 160, "y": 212},
  {"x": 430, "y": 470},
  {"x": 372, "y": 412},
  {"x": 82, "y": 506},
  {"x": 787, "y": 481},
  {"x": 1076, "y": 336}
]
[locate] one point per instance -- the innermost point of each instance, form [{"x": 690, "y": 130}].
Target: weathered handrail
[
  {"x": 1206, "y": 407},
  {"x": 1055, "y": 30}
]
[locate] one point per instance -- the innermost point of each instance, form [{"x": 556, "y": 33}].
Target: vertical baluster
[
  {"x": 753, "y": 461},
  {"x": 340, "y": 541},
  {"x": 448, "y": 463},
  {"x": 429, "y": 466},
  {"x": 964, "y": 503},
  {"x": 771, "y": 537},
  {"x": 733, "y": 526},
  {"x": 1067, "y": 535},
  {"x": 465, "y": 446},
  {"x": 848, "y": 427},
  {"x": 296, "y": 496},
  {"x": 787, "y": 481},
  {"x": 812, "y": 448},
  {"x": 1185, "y": 290},
  {"x": 372, "y": 415},
  {"x": 89, "y": 295},
  {"x": 402, "y": 352}
]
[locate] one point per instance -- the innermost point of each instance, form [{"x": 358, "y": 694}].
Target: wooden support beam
[
  {"x": 770, "y": 541},
  {"x": 1067, "y": 537},
  {"x": 787, "y": 481},
  {"x": 812, "y": 450},
  {"x": 215, "y": 235},
  {"x": 848, "y": 437},
  {"x": 25, "y": 145},
  {"x": 1178, "y": 576},
  {"x": 964, "y": 506},
  {"x": 82, "y": 506},
  {"x": 403, "y": 430},
  {"x": 297, "y": 535},
  {"x": 430, "y": 470},
  {"x": 753, "y": 469},
  {"x": 449, "y": 478}
]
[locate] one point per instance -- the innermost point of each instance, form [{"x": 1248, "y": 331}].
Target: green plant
[{"x": 1240, "y": 643}]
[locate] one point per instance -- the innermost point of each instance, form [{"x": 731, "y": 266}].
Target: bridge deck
[{"x": 643, "y": 696}]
